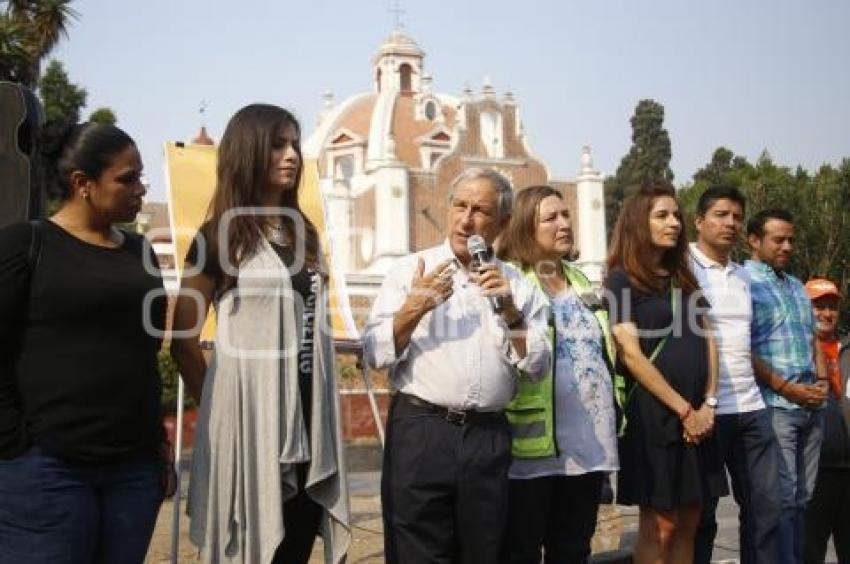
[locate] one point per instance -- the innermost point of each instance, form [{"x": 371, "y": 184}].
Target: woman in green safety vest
[
  {"x": 670, "y": 463},
  {"x": 564, "y": 430}
]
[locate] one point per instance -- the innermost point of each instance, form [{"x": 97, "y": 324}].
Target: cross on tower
[
  {"x": 397, "y": 12},
  {"x": 202, "y": 109}
]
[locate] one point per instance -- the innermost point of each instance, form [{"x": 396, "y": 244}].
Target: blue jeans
[
  {"x": 747, "y": 444},
  {"x": 57, "y": 512},
  {"x": 799, "y": 433}
]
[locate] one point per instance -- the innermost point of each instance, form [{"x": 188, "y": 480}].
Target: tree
[
  {"x": 103, "y": 115},
  {"x": 648, "y": 159},
  {"x": 62, "y": 99},
  {"x": 29, "y": 30},
  {"x": 14, "y": 56},
  {"x": 720, "y": 165}
]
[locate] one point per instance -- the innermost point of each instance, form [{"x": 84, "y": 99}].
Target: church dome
[
  {"x": 400, "y": 43},
  {"x": 402, "y": 120}
]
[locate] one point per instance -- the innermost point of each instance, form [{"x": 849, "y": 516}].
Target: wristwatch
[{"x": 711, "y": 402}]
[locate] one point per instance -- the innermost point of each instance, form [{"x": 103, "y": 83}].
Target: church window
[
  {"x": 405, "y": 72},
  {"x": 378, "y": 80},
  {"x": 491, "y": 134},
  {"x": 431, "y": 110},
  {"x": 344, "y": 167}
]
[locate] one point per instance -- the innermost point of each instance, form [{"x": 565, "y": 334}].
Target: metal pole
[
  {"x": 376, "y": 414},
  {"x": 178, "y": 468}
]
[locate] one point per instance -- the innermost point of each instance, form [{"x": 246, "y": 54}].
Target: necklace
[{"x": 276, "y": 234}]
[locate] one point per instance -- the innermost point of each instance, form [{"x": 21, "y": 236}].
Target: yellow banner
[{"x": 190, "y": 172}]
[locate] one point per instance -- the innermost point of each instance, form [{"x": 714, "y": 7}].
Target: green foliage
[
  {"x": 648, "y": 159},
  {"x": 715, "y": 171},
  {"x": 103, "y": 115},
  {"x": 170, "y": 376},
  {"x": 14, "y": 56},
  {"x": 62, "y": 99},
  {"x": 29, "y": 30},
  {"x": 819, "y": 202}
]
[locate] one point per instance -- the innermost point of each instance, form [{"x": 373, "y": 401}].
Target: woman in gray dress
[{"x": 268, "y": 473}]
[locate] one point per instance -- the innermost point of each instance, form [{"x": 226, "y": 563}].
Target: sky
[{"x": 746, "y": 74}]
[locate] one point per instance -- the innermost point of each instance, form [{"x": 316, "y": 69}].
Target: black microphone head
[{"x": 476, "y": 245}]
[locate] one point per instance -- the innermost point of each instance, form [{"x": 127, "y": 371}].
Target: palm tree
[
  {"x": 33, "y": 27},
  {"x": 14, "y": 56}
]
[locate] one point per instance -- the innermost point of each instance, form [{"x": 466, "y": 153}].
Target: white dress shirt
[
  {"x": 727, "y": 289},
  {"x": 460, "y": 355}
]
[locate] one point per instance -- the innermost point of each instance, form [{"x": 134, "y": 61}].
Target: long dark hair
[
  {"x": 631, "y": 243},
  {"x": 244, "y": 167},
  {"x": 88, "y": 147}
]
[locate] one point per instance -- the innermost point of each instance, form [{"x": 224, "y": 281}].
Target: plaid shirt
[{"x": 783, "y": 328}]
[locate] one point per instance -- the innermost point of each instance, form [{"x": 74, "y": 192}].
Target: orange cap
[{"x": 820, "y": 287}]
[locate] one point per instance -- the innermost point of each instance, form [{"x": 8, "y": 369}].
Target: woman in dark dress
[
  {"x": 667, "y": 456},
  {"x": 81, "y": 310}
]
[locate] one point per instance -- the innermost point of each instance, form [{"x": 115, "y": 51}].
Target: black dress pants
[
  {"x": 444, "y": 487},
  {"x": 555, "y": 513}
]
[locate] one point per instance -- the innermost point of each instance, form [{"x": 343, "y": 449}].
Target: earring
[{"x": 85, "y": 195}]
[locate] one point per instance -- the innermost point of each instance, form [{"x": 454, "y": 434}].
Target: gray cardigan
[{"x": 250, "y": 433}]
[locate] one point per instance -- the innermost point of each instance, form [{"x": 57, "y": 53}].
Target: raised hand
[{"x": 427, "y": 291}]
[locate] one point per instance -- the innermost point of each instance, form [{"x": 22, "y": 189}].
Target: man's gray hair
[{"x": 501, "y": 184}]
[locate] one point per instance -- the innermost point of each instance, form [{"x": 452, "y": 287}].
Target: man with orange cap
[{"x": 828, "y": 512}]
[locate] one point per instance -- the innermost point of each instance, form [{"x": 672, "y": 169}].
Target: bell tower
[{"x": 398, "y": 66}]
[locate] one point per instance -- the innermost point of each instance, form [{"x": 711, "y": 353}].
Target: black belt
[{"x": 453, "y": 416}]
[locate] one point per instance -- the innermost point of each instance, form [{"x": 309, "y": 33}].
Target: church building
[{"x": 386, "y": 159}]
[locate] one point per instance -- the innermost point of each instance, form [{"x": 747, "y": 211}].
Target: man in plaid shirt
[{"x": 790, "y": 369}]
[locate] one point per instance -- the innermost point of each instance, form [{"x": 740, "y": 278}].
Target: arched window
[
  {"x": 378, "y": 80},
  {"x": 344, "y": 167},
  {"x": 491, "y": 134},
  {"x": 404, "y": 72},
  {"x": 430, "y": 110}
]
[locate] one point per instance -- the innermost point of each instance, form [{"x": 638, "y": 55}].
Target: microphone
[{"x": 478, "y": 251}]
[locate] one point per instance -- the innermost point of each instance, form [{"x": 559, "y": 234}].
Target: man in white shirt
[
  {"x": 453, "y": 363},
  {"x": 742, "y": 424}
]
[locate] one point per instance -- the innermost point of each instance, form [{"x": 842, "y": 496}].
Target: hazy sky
[{"x": 747, "y": 74}]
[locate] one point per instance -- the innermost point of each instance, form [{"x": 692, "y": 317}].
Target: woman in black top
[
  {"x": 81, "y": 308},
  {"x": 667, "y": 457},
  {"x": 267, "y": 469}
]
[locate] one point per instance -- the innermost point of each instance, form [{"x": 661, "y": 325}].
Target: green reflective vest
[{"x": 532, "y": 411}]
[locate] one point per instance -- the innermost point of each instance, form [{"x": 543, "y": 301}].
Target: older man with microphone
[{"x": 453, "y": 326}]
